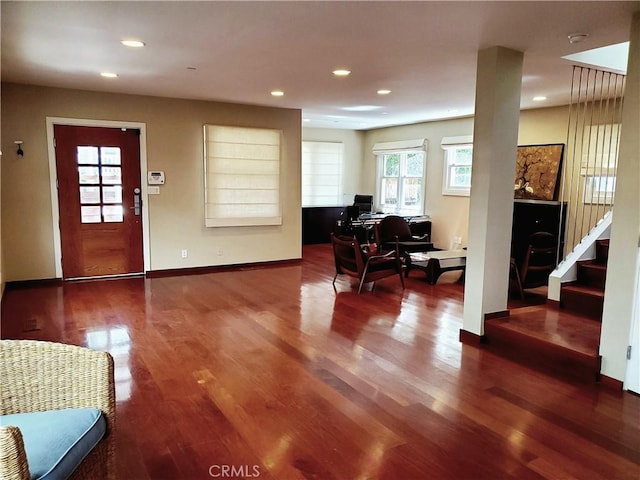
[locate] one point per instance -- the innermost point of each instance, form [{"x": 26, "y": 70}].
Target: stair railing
[{"x": 589, "y": 172}]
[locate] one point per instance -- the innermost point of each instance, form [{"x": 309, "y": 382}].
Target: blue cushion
[{"x": 57, "y": 441}]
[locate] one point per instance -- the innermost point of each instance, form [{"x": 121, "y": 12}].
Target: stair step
[
  {"x": 602, "y": 251},
  {"x": 585, "y": 300},
  {"x": 592, "y": 274},
  {"x": 510, "y": 337}
]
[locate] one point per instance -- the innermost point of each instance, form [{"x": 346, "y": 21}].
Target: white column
[
  {"x": 495, "y": 140},
  {"x": 622, "y": 267}
]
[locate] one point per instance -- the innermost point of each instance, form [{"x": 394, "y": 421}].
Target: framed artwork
[{"x": 538, "y": 170}]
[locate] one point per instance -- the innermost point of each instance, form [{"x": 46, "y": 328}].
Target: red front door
[{"x": 99, "y": 199}]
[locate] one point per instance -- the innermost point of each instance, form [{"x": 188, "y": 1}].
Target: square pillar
[{"x": 495, "y": 141}]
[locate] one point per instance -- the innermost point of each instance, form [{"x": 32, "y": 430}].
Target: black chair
[
  {"x": 540, "y": 259},
  {"x": 393, "y": 232},
  {"x": 351, "y": 259},
  {"x": 363, "y": 202},
  {"x": 392, "y": 229}
]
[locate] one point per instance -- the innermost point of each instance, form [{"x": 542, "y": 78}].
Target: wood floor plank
[{"x": 272, "y": 371}]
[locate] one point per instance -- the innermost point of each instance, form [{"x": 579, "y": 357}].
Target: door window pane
[
  {"x": 105, "y": 179},
  {"x": 90, "y": 214},
  {"x": 89, "y": 175},
  {"x": 89, "y": 194},
  {"x": 112, "y": 213},
  {"x": 112, "y": 194},
  {"x": 110, "y": 155},
  {"x": 112, "y": 175},
  {"x": 87, "y": 155}
]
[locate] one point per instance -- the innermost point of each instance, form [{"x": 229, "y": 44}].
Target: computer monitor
[{"x": 363, "y": 202}]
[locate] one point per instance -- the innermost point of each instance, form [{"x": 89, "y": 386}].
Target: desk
[
  {"x": 363, "y": 228},
  {"x": 437, "y": 262}
]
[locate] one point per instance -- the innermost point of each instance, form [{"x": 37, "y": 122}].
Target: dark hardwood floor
[{"x": 270, "y": 373}]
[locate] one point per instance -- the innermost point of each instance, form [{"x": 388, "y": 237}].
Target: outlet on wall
[
  {"x": 220, "y": 252},
  {"x": 184, "y": 253}
]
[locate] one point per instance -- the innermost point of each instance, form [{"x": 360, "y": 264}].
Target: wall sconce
[{"x": 20, "y": 152}]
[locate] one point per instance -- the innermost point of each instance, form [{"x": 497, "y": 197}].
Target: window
[
  {"x": 321, "y": 174},
  {"x": 242, "y": 176},
  {"x": 456, "y": 172},
  {"x": 401, "y": 178},
  {"x": 599, "y": 189},
  {"x": 599, "y": 163},
  {"x": 100, "y": 180}
]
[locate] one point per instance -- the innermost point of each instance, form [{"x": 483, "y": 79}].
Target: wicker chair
[{"x": 39, "y": 376}]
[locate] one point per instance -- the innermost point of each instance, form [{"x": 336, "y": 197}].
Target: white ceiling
[{"x": 425, "y": 52}]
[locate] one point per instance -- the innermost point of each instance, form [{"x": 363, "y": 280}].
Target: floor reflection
[{"x": 116, "y": 341}]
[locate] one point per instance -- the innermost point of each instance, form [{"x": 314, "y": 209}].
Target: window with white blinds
[
  {"x": 242, "y": 176},
  {"x": 321, "y": 174}
]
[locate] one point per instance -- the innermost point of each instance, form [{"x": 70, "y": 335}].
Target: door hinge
[
  {"x": 629, "y": 352},
  {"x": 55, "y": 144}
]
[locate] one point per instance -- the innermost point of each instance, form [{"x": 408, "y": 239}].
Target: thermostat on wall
[{"x": 155, "y": 178}]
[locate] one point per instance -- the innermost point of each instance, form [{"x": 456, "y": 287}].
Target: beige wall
[
  {"x": 175, "y": 145},
  {"x": 450, "y": 214},
  {"x": 352, "y": 140},
  {"x": 1, "y": 155}
]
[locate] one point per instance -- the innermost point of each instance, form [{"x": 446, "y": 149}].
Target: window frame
[
  {"x": 451, "y": 145},
  {"x": 450, "y": 158},
  {"x": 401, "y": 177}
]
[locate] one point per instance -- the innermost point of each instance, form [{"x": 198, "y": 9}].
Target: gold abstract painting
[{"x": 537, "y": 171}]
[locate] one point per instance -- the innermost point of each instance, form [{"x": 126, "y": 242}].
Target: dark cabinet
[
  {"x": 318, "y": 223},
  {"x": 530, "y": 216}
]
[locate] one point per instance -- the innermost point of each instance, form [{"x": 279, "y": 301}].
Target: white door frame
[
  {"x": 53, "y": 179},
  {"x": 632, "y": 377}
]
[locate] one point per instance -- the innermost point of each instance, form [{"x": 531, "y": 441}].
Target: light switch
[{"x": 153, "y": 190}]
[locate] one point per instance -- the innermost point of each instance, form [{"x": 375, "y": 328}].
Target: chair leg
[
  {"x": 362, "y": 283},
  {"x": 518, "y": 280},
  {"x": 401, "y": 279},
  {"x": 364, "y": 274},
  {"x": 334, "y": 279}
]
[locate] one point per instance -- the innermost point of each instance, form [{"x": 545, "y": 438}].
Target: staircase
[
  {"x": 585, "y": 295},
  {"x": 562, "y": 341}
]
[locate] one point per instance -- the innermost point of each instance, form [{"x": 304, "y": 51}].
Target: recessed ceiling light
[
  {"x": 341, "y": 72},
  {"x": 361, "y": 108},
  {"x": 109, "y": 75},
  {"x": 277, "y": 93},
  {"x": 577, "y": 37},
  {"x": 539, "y": 98},
  {"x": 384, "y": 91},
  {"x": 132, "y": 43}
]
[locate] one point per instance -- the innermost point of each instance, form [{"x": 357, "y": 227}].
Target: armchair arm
[
  {"x": 55, "y": 376},
  {"x": 421, "y": 238},
  {"x": 13, "y": 459}
]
